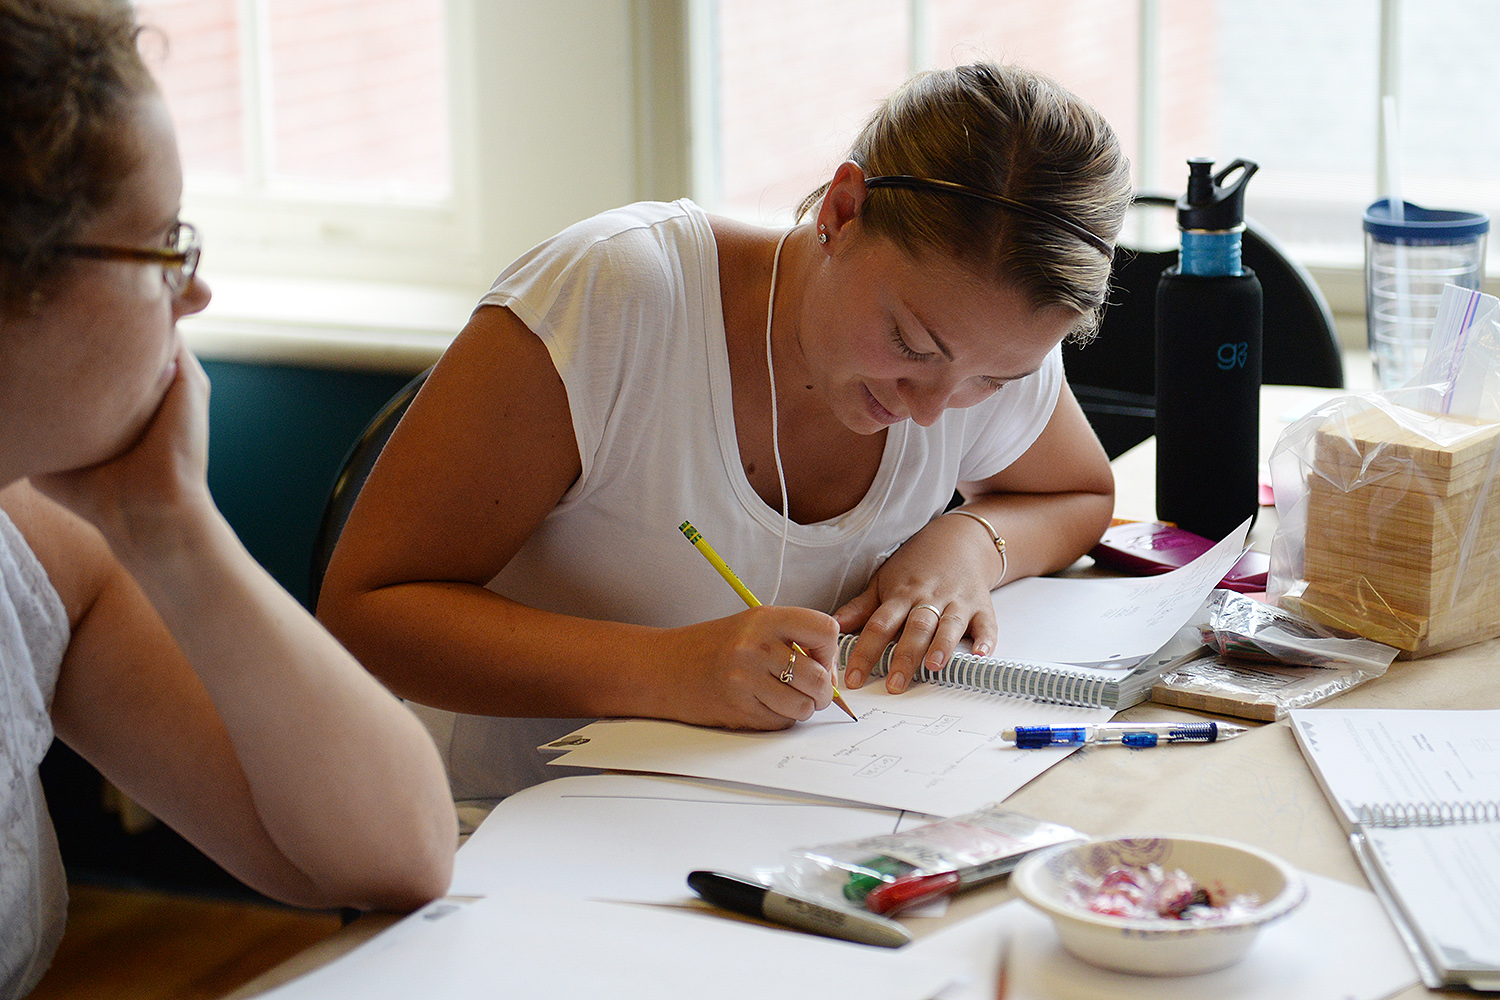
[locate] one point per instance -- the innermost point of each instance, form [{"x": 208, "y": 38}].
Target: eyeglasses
[{"x": 179, "y": 263}]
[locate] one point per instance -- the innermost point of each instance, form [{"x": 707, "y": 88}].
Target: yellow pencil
[{"x": 686, "y": 527}]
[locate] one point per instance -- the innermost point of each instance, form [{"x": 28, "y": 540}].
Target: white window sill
[
  {"x": 328, "y": 324},
  {"x": 369, "y": 326}
]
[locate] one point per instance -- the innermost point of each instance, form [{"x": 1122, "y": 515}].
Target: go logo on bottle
[{"x": 1232, "y": 356}]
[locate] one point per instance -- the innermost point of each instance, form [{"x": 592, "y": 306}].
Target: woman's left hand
[
  {"x": 925, "y": 598},
  {"x": 1057, "y": 497}
]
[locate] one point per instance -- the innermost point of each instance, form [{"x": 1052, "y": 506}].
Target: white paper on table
[
  {"x": 933, "y": 749},
  {"x": 1108, "y": 619},
  {"x": 1338, "y": 944},
  {"x": 635, "y": 837},
  {"x": 535, "y": 945}
]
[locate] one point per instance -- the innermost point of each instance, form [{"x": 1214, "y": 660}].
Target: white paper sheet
[
  {"x": 537, "y": 946},
  {"x": 521, "y": 944},
  {"x": 635, "y": 837},
  {"x": 1338, "y": 944},
  {"x": 934, "y": 749},
  {"x": 1105, "y": 620}
]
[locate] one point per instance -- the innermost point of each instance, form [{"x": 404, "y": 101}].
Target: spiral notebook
[
  {"x": 1418, "y": 790},
  {"x": 1114, "y": 687}
]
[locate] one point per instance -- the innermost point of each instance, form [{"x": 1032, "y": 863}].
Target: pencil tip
[
  {"x": 838, "y": 700},
  {"x": 1002, "y": 976}
]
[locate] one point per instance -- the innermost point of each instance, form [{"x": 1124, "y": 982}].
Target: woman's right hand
[
  {"x": 147, "y": 497},
  {"x": 727, "y": 672}
]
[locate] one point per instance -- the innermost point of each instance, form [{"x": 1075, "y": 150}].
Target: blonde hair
[{"x": 1005, "y": 131}]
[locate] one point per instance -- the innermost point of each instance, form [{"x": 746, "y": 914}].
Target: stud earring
[{"x": 822, "y": 236}]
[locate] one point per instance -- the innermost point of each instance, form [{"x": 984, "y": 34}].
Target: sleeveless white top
[
  {"x": 628, "y": 304},
  {"x": 34, "y": 634}
]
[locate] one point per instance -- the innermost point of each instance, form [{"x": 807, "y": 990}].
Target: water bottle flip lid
[{"x": 1208, "y": 204}]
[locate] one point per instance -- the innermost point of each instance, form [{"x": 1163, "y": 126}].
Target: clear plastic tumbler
[{"x": 1407, "y": 263}]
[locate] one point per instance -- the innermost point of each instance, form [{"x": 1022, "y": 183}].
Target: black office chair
[
  {"x": 353, "y": 472},
  {"x": 1114, "y": 377}
]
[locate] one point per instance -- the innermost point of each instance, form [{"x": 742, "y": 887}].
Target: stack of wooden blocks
[{"x": 1403, "y": 530}]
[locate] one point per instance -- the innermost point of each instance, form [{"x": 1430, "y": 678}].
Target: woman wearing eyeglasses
[
  {"x": 132, "y": 622},
  {"x": 809, "y": 398}
]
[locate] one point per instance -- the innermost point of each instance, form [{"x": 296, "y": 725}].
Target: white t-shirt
[
  {"x": 628, "y": 304},
  {"x": 34, "y": 634}
]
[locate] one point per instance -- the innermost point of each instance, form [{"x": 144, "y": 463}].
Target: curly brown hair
[
  {"x": 69, "y": 74},
  {"x": 1013, "y": 133}
]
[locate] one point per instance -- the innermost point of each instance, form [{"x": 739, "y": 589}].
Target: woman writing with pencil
[{"x": 809, "y": 399}]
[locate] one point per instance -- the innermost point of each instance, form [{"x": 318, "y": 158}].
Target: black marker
[{"x": 755, "y": 900}]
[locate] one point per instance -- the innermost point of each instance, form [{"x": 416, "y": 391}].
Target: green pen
[{"x": 873, "y": 872}]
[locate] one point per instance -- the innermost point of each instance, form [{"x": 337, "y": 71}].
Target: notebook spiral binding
[
  {"x": 1428, "y": 813},
  {"x": 1051, "y": 682}
]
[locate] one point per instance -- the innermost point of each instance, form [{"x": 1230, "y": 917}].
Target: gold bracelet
[{"x": 994, "y": 537}]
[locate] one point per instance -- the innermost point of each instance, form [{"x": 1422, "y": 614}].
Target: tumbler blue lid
[{"x": 1422, "y": 225}]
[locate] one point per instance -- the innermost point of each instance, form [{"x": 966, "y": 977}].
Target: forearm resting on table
[
  {"x": 461, "y": 647},
  {"x": 345, "y": 781}
]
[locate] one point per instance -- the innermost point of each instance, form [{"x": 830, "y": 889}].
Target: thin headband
[{"x": 1019, "y": 207}]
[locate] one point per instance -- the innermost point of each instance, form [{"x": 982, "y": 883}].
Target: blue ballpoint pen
[{"x": 1131, "y": 734}]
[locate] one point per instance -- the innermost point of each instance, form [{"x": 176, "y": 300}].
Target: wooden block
[
  {"x": 1394, "y": 548},
  {"x": 1356, "y": 607},
  {"x": 1419, "y": 453}
]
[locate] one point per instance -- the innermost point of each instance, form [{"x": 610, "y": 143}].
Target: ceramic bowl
[{"x": 1160, "y": 946}]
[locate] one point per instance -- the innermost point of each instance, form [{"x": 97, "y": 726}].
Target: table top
[{"x": 1256, "y": 788}]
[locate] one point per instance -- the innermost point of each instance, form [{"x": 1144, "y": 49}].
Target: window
[
  {"x": 1292, "y": 85},
  {"x": 428, "y": 142},
  {"x": 345, "y": 99},
  {"x": 362, "y": 169},
  {"x": 794, "y": 82},
  {"x": 311, "y": 128}
]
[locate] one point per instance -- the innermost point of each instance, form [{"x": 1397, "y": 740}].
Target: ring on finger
[
  {"x": 786, "y": 675},
  {"x": 927, "y": 607}
]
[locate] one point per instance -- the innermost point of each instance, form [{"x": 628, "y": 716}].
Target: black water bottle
[{"x": 1208, "y": 340}]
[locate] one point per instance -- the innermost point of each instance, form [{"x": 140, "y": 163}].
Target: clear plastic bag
[
  {"x": 1223, "y": 685},
  {"x": 970, "y": 849},
  {"x": 1389, "y": 518},
  {"x": 1247, "y": 629}
]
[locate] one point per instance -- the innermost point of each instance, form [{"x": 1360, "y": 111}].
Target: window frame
[
  {"x": 590, "y": 75},
  {"x": 556, "y": 112}
]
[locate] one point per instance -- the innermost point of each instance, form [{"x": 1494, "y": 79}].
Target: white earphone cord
[{"x": 786, "y": 519}]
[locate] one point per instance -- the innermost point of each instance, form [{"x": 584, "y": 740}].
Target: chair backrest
[
  {"x": 353, "y": 472},
  {"x": 1114, "y": 377}
]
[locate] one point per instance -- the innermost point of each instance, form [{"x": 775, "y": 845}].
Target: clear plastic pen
[{"x": 1131, "y": 734}]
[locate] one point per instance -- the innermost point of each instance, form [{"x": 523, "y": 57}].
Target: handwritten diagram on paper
[{"x": 933, "y": 749}]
